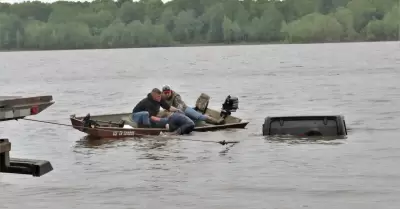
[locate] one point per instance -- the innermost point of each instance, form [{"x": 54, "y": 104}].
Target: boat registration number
[{"x": 123, "y": 133}]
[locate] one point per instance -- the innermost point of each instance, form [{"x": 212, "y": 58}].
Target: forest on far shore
[{"x": 151, "y": 23}]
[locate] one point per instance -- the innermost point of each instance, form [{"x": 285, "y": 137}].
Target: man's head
[
  {"x": 156, "y": 94},
  {"x": 167, "y": 91}
]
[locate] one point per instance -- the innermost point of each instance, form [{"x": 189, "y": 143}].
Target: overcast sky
[{"x": 18, "y": 1}]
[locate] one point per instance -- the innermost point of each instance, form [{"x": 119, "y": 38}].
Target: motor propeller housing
[
  {"x": 88, "y": 123},
  {"x": 230, "y": 105}
]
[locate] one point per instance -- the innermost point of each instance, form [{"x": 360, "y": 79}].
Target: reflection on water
[
  {"x": 155, "y": 148},
  {"x": 225, "y": 151},
  {"x": 89, "y": 142},
  {"x": 289, "y": 139},
  {"x": 175, "y": 172}
]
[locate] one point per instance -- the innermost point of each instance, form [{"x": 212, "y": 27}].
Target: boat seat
[
  {"x": 129, "y": 121},
  {"x": 202, "y": 103}
]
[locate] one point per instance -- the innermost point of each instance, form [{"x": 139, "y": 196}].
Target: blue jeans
[
  {"x": 159, "y": 124},
  {"x": 144, "y": 119},
  {"x": 180, "y": 123},
  {"x": 141, "y": 118},
  {"x": 194, "y": 115}
]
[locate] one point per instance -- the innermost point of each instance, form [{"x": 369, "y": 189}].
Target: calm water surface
[{"x": 359, "y": 80}]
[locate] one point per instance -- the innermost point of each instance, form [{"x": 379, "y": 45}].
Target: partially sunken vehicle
[{"x": 323, "y": 125}]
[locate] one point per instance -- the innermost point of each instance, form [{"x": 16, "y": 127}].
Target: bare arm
[
  {"x": 155, "y": 118},
  {"x": 173, "y": 109}
]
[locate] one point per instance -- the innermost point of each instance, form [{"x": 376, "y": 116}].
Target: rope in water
[
  {"x": 62, "y": 124},
  {"x": 223, "y": 142}
]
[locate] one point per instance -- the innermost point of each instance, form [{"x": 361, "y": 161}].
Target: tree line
[{"x": 150, "y": 23}]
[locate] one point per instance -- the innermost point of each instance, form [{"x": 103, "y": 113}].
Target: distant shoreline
[{"x": 195, "y": 45}]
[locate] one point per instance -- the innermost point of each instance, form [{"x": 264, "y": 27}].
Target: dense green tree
[
  {"x": 345, "y": 17},
  {"x": 131, "y": 11},
  {"x": 11, "y": 31},
  {"x": 32, "y": 10},
  {"x": 39, "y": 35},
  {"x": 187, "y": 27},
  {"x": 386, "y": 29},
  {"x": 146, "y": 23},
  {"x": 269, "y": 25},
  {"x": 314, "y": 27},
  {"x": 231, "y": 30},
  {"x": 391, "y": 23},
  {"x": 168, "y": 19},
  {"x": 104, "y": 5}
]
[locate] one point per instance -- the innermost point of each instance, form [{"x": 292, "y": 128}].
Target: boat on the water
[{"x": 121, "y": 126}]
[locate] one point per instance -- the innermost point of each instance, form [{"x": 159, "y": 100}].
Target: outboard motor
[
  {"x": 230, "y": 105},
  {"x": 88, "y": 123}
]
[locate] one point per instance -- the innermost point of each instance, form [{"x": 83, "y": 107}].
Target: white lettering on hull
[{"x": 123, "y": 133}]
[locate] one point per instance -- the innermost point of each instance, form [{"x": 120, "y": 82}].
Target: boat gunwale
[
  {"x": 123, "y": 113},
  {"x": 117, "y": 128},
  {"x": 80, "y": 118}
]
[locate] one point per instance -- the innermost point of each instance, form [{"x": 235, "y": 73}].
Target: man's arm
[
  {"x": 165, "y": 105},
  {"x": 173, "y": 109},
  {"x": 139, "y": 106},
  {"x": 168, "y": 107},
  {"x": 179, "y": 102}
]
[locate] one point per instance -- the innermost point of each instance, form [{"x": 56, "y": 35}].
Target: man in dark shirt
[{"x": 145, "y": 112}]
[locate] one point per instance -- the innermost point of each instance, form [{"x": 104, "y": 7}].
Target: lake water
[{"x": 358, "y": 80}]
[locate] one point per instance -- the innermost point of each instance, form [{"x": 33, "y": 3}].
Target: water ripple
[{"x": 358, "y": 80}]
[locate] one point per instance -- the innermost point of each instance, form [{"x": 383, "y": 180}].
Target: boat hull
[
  {"x": 114, "y": 132},
  {"x": 109, "y": 128}
]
